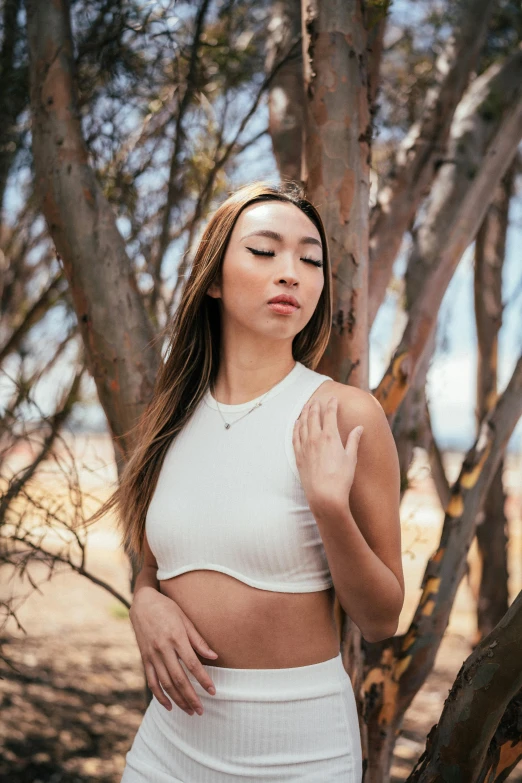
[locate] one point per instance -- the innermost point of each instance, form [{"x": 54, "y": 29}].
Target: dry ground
[{"x": 70, "y": 711}]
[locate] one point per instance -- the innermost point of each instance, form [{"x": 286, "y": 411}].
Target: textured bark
[
  {"x": 485, "y": 133},
  {"x": 505, "y": 749},
  {"x": 490, "y": 248},
  {"x": 336, "y": 170},
  {"x": 397, "y": 668},
  {"x": 115, "y": 328},
  {"x": 458, "y": 746},
  {"x": 286, "y": 97},
  {"x": 423, "y": 148}
]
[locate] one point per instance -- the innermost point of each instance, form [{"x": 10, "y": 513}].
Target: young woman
[{"x": 242, "y": 500}]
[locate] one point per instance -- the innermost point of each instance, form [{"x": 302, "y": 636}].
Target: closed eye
[{"x": 271, "y": 253}]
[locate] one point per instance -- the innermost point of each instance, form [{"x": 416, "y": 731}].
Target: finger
[
  {"x": 314, "y": 419},
  {"x": 196, "y": 668},
  {"x": 176, "y": 683},
  {"x": 173, "y": 660},
  {"x": 352, "y": 443},
  {"x": 303, "y": 426},
  {"x": 157, "y": 690},
  {"x": 197, "y": 641},
  {"x": 187, "y": 653},
  {"x": 330, "y": 415},
  {"x": 153, "y": 683}
]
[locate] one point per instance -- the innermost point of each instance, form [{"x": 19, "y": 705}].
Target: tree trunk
[
  {"x": 336, "y": 170},
  {"x": 490, "y": 248},
  {"x": 485, "y": 133},
  {"x": 505, "y": 749},
  {"x": 458, "y": 746},
  {"x": 116, "y": 331},
  {"x": 492, "y": 596},
  {"x": 423, "y": 148}
]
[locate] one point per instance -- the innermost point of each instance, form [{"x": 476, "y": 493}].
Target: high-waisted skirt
[{"x": 291, "y": 724}]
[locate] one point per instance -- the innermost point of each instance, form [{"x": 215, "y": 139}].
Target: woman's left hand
[{"x": 326, "y": 467}]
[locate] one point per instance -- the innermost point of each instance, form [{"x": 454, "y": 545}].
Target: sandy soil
[{"x": 74, "y": 701}]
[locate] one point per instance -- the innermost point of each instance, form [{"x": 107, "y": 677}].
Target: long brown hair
[{"x": 192, "y": 356}]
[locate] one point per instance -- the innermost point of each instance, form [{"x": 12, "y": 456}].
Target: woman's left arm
[{"x": 353, "y": 487}]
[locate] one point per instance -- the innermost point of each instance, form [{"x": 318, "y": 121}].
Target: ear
[{"x": 214, "y": 290}]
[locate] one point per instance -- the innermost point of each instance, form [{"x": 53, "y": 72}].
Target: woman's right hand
[{"x": 164, "y": 633}]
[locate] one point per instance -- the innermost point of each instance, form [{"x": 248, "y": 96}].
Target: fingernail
[{"x": 211, "y": 690}]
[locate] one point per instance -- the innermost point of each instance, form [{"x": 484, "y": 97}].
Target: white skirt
[{"x": 292, "y": 724}]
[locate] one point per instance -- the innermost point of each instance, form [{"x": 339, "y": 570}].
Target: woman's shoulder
[{"x": 354, "y": 405}]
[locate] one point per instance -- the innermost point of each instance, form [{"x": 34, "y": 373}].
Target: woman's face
[{"x": 258, "y": 267}]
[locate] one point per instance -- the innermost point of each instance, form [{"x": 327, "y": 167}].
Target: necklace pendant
[{"x": 227, "y": 426}]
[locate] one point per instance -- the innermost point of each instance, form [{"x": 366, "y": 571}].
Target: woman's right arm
[{"x": 164, "y": 635}]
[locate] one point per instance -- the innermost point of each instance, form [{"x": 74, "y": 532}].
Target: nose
[{"x": 288, "y": 272}]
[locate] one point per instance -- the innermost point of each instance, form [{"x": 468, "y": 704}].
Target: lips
[{"x": 284, "y": 299}]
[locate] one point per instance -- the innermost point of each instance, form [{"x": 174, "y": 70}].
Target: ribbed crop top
[{"x": 231, "y": 500}]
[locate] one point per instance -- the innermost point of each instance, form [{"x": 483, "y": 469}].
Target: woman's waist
[{"x": 253, "y": 628}]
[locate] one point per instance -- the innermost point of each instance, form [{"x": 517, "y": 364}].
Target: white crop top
[{"x": 231, "y": 500}]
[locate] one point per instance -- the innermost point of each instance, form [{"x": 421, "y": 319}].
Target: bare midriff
[{"x": 250, "y": 628}]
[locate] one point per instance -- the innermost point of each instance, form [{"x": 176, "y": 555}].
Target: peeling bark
[
  {"x": 505, "y": 749},
  {"x": 423, "y": 149},
  {"x": 458, "y": 747},
  {"x": 336, "y": 170},
  {"x": 114, "y": 325},
  {"x": 485, "y": 133}
]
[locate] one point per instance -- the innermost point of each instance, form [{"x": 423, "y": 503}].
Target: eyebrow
[{"x": 266, "y": 232}]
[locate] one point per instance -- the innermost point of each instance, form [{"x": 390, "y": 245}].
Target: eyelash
[{"x": 271, "y": 253}]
